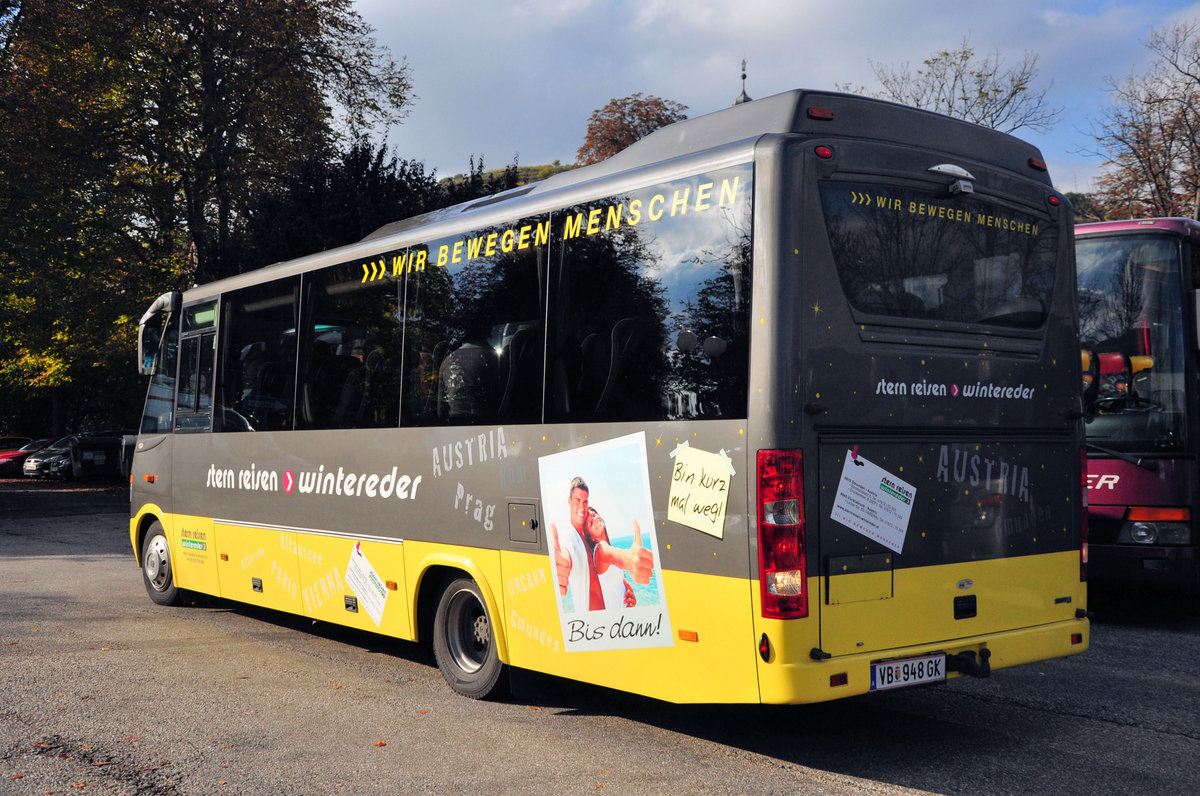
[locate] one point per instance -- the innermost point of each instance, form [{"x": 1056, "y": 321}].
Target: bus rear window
[{"x": 919, "y": 254}]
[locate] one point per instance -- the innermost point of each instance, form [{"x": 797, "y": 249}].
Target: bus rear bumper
[
  {"x": 849, "y": 675},
  {"x": 1171, "y": 567}
]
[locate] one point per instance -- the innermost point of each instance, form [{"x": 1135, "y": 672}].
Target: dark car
[
  {"x": 77, "y": 456},
  {"x": 11, "y": 460}
]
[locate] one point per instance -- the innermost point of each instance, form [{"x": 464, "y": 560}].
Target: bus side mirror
[
  {"x": 149, "y": 336},
  {"x": 147, "y": 347}
]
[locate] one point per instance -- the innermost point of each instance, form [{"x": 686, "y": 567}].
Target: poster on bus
[{"x": 604, "y": 559}]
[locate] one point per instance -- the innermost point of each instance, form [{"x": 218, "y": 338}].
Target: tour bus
[
  {"x": 1138, "y": 331},
  {"x": 780, "y": 404}
]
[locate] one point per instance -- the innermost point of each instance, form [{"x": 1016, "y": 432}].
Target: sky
[{"x": 518, "y": 80}]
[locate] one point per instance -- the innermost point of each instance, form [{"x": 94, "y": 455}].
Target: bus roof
[
  {"x": 1179, "y": 226},
  {"x": 727, "y": 134}
]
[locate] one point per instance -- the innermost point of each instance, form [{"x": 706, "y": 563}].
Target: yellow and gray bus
[{"x": 780, "y": 404}]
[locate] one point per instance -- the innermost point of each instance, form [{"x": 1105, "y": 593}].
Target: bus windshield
[{"x": 1131, "y": 334}]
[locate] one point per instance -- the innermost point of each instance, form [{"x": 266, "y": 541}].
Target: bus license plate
[{"x": 908, "y": 671}]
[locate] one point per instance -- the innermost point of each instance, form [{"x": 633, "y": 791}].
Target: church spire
[{"x": 743, "y": 97}]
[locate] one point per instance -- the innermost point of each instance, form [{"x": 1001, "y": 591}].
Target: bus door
[
  {"x": 158, "y": 357},
  {"x": 944, "y": 450}
]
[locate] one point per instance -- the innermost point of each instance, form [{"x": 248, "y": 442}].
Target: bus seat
[
  {"x": 324, "y": 393},
  {"x": 517, "y": 379},
  {"x": 625, "y": 335},
  {"x": 351, "y": 396},
  {"x": 1114, "y": 375},
  {"x": 1088, "y": 360},
  {"x": 467, "y": 383}
]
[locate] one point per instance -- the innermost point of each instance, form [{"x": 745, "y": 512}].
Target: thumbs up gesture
[
  {"x": 562, "y": 561},
  {"x": 641, "y": 560}
]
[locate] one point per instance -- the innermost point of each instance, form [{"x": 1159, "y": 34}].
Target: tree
[
  {"x": 236, "y": 96},
  {"x": 1150, "y": 132},
  {"x": 623, "y": 121},
  {"x": 978, "y": 89},
  {"x": 135, "y": 135},
  {"x": 332, "y": 201},
  {"x": 71, "y": 275},
  {"x": 1088, "y": 207}
]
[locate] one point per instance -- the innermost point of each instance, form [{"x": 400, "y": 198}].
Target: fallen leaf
[
  {"x": 102, "y": 763},
  {"x": 534, "y": 707},
  {"x": 85, "y": 748},
  {"x": 381, "y": 743},
  {"x": 41, "y": 746},
  {"x": 18, "y": 775},
  {"x": 336, "y": 687},
  {"x": 422, "y": 712}
]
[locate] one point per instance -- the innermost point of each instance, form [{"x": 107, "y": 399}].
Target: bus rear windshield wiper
[{"x": 1137, "y": 461}]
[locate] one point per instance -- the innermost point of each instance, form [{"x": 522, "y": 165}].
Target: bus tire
[
  {"x": 464, "y": 641},
  {"x": 157, "y": 571}
]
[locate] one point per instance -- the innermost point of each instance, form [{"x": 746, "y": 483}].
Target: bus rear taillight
[
  {"x": 781, "y": 554},
  {"x": 1083, "y": 516}
]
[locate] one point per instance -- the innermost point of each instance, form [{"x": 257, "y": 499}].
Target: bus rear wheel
[
  {"x": 464, "y": 641},
  {"x": 157, "y": 571}
]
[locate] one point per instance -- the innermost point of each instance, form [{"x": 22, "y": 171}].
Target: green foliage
[
  {"x": 136, "y": 136},
  {"x": 330, "y": 202}
]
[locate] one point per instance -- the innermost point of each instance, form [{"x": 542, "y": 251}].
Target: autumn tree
[
  {"x": 1150, "y": 132},
  {"x": 623, "y": 121},
  {"x": 72, "y": 270},
  {"x": 962, "y": 84},
  {"x": 134, "y": 137}
]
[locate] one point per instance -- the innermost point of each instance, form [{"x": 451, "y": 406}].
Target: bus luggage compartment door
[{"x": 922, "y": 542}]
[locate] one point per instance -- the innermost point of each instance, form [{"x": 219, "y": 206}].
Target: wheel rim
[
  {"x": 468, "y": 632},
  {"x": 158, "y": 564}
]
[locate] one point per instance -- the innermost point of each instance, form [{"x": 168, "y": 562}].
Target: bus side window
[
  {"x": 258, "y": 357},
  {"x": 193, "y": 402},
  {"x": 650, "y": 321},
  {"x": 474, "y": 333}
]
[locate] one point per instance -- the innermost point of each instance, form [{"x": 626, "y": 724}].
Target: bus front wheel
[
  {"x": 157, "y": 572},
  {"x": 464, "y": 642}
]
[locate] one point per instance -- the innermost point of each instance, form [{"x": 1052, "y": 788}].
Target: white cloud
[{"x": 520, "y": 79}]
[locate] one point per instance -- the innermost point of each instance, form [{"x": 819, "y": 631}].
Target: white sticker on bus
[
  {"x": 366, "y": 584},
  {"x": 873, "y": 502}
]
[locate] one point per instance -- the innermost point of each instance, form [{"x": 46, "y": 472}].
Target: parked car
[
  {"x": 12, "y": 460},
  {"x": 12, "y": 443},
  {"x": 77, "y": 456}
]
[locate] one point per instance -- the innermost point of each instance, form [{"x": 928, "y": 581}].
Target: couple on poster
[{"x": 603, "y": 582}]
